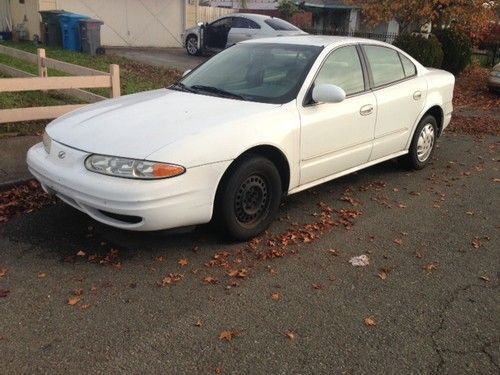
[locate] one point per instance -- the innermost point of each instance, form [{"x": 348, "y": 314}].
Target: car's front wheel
[
  {"x": 249, "y": 197},
  {"x": 422, "y": 144},
  {"x": 192, "y": 45}
]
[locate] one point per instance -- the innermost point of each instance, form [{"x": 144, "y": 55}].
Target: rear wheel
[
  {"x": 249, "y": 198},
  {"x": 422, "y": 145},
  {"x": 192, "y": 45}
]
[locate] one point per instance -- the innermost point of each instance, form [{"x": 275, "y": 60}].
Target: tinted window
[
  {"x": 268, "y": 73},
  {"x": 343, "y": 68},
  {"x": 244, "y": 23},
  {"x": 385, "y": 65},
  {"x": 279, "y": 24},
  {"x": 222, "y": 22},
  {"x": 408, "y": 66}
]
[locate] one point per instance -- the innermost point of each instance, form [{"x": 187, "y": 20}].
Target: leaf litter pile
[
  {"x": 474, "y": 105},
  {"x": 22, "y": 199}
]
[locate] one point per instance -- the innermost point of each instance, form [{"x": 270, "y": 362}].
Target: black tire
[
  {"x": 248, "y": 198},
  {"x": 416, "y": 157},
  {"x": 191, "y": 41}
]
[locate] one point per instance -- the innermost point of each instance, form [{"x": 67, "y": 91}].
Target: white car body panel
[{"x": 205, "y": 134}]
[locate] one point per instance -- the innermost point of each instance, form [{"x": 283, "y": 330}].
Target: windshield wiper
[
  {"x": 181, "y": 87},
  {"x": 219, "y": 92}
]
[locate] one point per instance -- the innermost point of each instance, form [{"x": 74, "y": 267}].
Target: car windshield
[
  {"x": 261, "y": 72},
  {"x": 279, "y": 24}
]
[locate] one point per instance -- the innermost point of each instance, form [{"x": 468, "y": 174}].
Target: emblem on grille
[{"x": 61, "y": 154}]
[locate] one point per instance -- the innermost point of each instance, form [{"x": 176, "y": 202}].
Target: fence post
[
  {"x": 42, "y": 68},
  {"x": 115, "y": 80}
]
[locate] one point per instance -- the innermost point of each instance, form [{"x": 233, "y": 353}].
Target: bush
[
  {"x": 427, "y": 52},
  {"x": 457, "y": 48}
]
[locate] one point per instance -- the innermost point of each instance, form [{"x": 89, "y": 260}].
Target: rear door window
[
  {"x": 385, "y": 64},
  {"x": 408, "y": 66}
]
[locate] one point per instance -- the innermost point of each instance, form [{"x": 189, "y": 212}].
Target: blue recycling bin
[{"x": 70, "y": 30}]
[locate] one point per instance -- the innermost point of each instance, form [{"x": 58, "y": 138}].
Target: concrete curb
[{"x": 12, "y": 184}]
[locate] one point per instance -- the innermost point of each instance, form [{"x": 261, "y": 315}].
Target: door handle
[
  {"x": 417, "y": 95},
  {"x": 366, "y": 110}
]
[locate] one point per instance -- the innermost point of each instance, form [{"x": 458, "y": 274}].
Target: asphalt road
[{"x": 431, "y": 289}]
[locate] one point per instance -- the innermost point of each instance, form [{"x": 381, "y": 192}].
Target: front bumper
[
  {"x": 494, "y": 82},
  {"x": 140, "y": 205}
]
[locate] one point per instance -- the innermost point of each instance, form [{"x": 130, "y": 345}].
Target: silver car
[
  {"x": 234, "y": 28},
  {"x": 494, "y": 79}
]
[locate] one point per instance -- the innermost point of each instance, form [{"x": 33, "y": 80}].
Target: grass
[{"x": 134, "y": 77}]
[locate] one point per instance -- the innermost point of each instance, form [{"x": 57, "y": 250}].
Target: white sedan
[
  {"x": 258, "y": 121},
  {"x": 238, "y": 27}
]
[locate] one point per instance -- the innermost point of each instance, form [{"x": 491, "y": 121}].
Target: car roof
[
  {"x": 252, "y": 16},
  {"x": 315, "y": 40}
]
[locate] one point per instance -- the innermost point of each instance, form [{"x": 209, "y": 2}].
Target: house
[{"x": 129, "y": 23}]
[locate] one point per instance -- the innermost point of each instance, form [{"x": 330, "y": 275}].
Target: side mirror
[
  {"x": 200, "y": 24},
  {"x": 186, "y": 72},
  {"x": 326, "y": 93}
]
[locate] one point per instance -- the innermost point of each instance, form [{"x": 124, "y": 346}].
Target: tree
[
  {"x": 472, "y": 17},
  {"x": 288, "y": 8}
]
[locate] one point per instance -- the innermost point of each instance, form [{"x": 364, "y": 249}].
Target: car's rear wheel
[
  {"x": 249, "y": 198},
  {"x": 192, "y": 45},
  {"x": 422, "y": 145}
]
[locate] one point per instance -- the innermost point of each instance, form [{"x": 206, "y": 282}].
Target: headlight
[
  {"x": 131, "y": 168},
  {"x": 47, "y": 141}
]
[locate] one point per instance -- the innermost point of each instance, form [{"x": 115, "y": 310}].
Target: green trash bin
[{"x": 51, "y": 27}]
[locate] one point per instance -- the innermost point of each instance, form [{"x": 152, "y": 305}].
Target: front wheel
[
  {"x": 422, "y": 144},
  {"x": 249, "y": 198},
  {"x": 192, "y": 45}
]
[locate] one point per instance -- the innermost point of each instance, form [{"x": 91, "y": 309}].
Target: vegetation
[
  {"x": 288, "y": 8},
  {"x": 457, "y": 48},
  {"x": 470, "y": 17},
  {"x": 427, "y": 51}
]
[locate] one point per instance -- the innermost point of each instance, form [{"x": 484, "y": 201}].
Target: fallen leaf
[
  {"x": 73, "y": 300},
  {"x": 398, "y": 241},
  {"x": 198, "y": 323},
  {"x": 171, "y": 278},
  {"x": 85, "y": 306},
  {"x": 41, "y": 275},
  {"x": 476, "y": 243},
  {"x": 431, "y": 266},
  {"x": 290, "y": 335},
  {"x": 4, "y": 293},
  {"x": 485, "y": 278},
  {"x": 360, "y": 261},
  {"x": 210, "y": 280},
  {"x": 183, "y": 262},
  {"x": 383, "y": 273},
  {"x": 218, "y": 370},
  {"x": 78, "y": 292},
  {"x": 317, "y": 286},
  {"x": 81, "y": 253},
  {"x": 370, "y": 321},
  {"x": 227, "y": 335},
  {"x": 334, "y": 252},
  {"x": 276, "y": 296},
  {"x": 241, "y": 273},
  {"x": 3, "y": 272},
  {"x": 418, "y": 254}
]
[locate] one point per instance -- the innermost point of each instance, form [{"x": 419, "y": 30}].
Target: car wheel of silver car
[
  {"x": 192, "y": 45},
  {"x": 422, "y": 145},
  {"x": 249, "y": 197}
]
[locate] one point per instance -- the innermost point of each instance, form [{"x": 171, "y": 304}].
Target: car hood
[{"x": 137, "y": 125}]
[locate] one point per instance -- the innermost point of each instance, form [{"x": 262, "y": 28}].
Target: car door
[
  {"x": 337, "y": 136},
  {"x": 216, "y": 33},
  {"x": 242, "y": 29},
  {"x": 400, "y": 95}
]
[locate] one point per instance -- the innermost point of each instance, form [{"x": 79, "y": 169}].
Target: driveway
[
  {"x": 79, "y": 297},
  {"x": 176, "y": 58}
]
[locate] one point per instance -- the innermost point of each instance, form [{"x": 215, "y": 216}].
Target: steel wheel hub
[
  {"x": 425, "y": 142},
  {"x": 252, "y": 200}
]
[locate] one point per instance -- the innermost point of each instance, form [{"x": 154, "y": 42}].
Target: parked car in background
[
  {"x": 494, "y": 79},
  {"x": 234, "y": 28},
  {"x": 260, "y": 120}
]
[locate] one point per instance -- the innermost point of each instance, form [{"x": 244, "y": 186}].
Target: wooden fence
[
  {"x": 196, "y": 13},
  {"x": 81, "y": 77}
]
